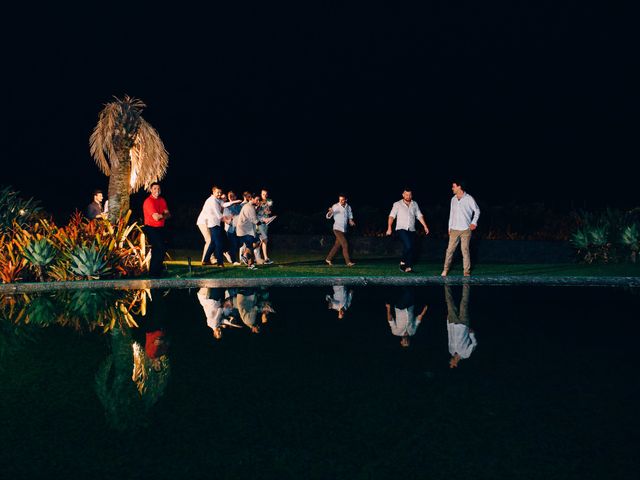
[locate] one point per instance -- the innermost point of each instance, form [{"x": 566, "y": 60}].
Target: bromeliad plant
[{"x": 631, "y": 239}]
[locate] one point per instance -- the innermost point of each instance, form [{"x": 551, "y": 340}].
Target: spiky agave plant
[
  {"x": 40, "y": 253},
  {"x": 631, "y": 238},
  {"x": 128, "y": 150},
  {"x": 88, "y": 262}
]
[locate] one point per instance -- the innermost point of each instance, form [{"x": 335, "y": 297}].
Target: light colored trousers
[
  {"x": 207, "y": 239},
  {"x": 464, "y": 238}
]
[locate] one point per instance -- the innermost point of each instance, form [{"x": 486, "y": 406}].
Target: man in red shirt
[{"x": 155, "y": 213}]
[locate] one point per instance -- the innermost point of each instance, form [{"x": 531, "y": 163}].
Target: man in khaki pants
[{"x": 463, "y": 219}]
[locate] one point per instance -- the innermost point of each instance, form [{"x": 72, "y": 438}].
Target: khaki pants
[
  {"x": 455, "y": 237},
  {"x": 341, "y": 242}
]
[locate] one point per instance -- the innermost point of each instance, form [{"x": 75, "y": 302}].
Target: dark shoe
[
  {"x": 206, "y": 263},
  {"x": 403, "y": 267}
]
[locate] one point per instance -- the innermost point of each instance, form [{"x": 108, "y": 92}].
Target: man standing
[
  {"x": 155, "y": 213},
  {"x": 463, "y": 219},
  {"x": 342, "y": 218},
  {"x": 246, "y": 229},
  {"x": 405, "y": 212},
  {"x": 212, "y": 215},
  {"x": 94, "y": 209}
]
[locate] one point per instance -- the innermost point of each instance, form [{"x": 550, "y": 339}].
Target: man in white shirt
[
  {"x": 210, "y": 224},
  {"x": 463, "y": 219},
  {"x": 246, "y": 229},
  {"x": 405, "y": 212},
  {"x": 342, "y": 218},
  {"x": 403, "y": 322},
  {"x": 462, "y": 339}
]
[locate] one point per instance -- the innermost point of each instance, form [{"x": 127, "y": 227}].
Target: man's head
[
  {"x": 97, "y": 196},
  {"x": 216, "y": 191},
  {"x": 342, "y": 200},
  {"x": 405, "y": 341},
  {"x": 264, "y": 194},
  {"x": 254, "y": 198},
  {"x": 231, "y": 195},
  {"x": 457, "y": 187},
  {"x": 155, "y": 190},
  {"x": 247, "y": 196},
  {"x": 407, "y": 195}
]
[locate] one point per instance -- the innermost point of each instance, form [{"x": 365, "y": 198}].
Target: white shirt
[
  {"x": 212, "y": 308},
  {"x": 405, "y": 322},
  {"x": 463, "y": 212},
  {"x": 211, "y": 214},
  {"x": 405, "y": 215},
  {"x": 341, "y": 297},
  {"x": 461, "y": 340},
  {"x": 247, "y": 220},
  {"x": 341, "y": 216}
]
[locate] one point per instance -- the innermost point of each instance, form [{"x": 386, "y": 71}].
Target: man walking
[
  {"x": 405, "y": 212},
  {"x": 342, "y": 218},
  {"x": 463, "y": 219},
  {"x": 155, "y": 213},
  {"x": 212, "y": 214}
]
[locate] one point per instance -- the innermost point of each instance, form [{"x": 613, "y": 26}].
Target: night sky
[{"x": 526, "y": 102}]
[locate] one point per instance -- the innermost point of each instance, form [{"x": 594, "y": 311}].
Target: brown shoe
[{"x": 467, "y": 274}]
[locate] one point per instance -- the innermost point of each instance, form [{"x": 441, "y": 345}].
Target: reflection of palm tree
[{"x": 128, "y": 150}]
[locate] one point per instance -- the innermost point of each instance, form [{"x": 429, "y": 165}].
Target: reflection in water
[
  {"x": 340, "y": 301},
  {"x": 134, "y": 375},
  {"x": 462, "y": 339},
  {"x": 235, "y": 308},
  {"x": 401, "y": 315}
]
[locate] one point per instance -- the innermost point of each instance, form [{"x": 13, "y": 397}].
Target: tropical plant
[
  {"x": 40, "y": 254},
  {"x": 128, "y": 150},
  {"x": 14, "y": 209},
  {"x": 631, "y": 239},
  {"x": 12, "y": 263},
  {"x": 89, "y": 262}
]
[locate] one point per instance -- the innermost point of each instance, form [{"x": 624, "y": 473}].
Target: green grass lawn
[{"x": 312, "y": 265}]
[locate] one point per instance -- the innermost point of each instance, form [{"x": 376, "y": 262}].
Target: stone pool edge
[{"x": 502, "y": 280}]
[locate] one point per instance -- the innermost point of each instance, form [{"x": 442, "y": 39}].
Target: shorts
[
  {"x": 248, "y": 241},
  {"x": 262, "y": 231}
]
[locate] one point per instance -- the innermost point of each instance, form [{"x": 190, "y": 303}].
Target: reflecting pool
[{"x": 337, "y": 382}]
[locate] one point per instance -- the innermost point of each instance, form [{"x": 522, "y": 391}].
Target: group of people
[
  {"x": 463, "y": 219},
  {"x": 237, "y": 229}
]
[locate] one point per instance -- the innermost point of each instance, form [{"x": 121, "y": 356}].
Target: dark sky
[{"x": 529, "y": 102}]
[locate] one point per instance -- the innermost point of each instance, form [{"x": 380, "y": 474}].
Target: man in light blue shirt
[
  {"x": 342, "y": 218},
  {"x": 405, "y": 212},
  {"x": 463, "y": 219}
]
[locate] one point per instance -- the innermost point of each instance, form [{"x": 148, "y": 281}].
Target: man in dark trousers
[{"x": 155, "y": 213}]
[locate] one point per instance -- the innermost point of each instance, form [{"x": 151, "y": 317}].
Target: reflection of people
[
  {"x": 462, "y": 340},
  {"x": 342, "y": 218},
  {"x": 402, "y": 318},
  {"x": 463, "y": 218},
  {"x": 405, "y": 212},
  {"x": 247, "y": 302},
  {"x": 155, "y": 213},
  {"x": 340, "y": 301},
  {"x": 212, "y": 301},
  {"x": 94, "y": 209}
]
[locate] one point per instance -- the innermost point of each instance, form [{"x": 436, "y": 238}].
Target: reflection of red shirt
[
  {"x": 154, "y": 205},
  {"x": 154, "y": 344}
]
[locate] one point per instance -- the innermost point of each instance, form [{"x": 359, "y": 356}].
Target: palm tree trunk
[{"x": 119, "y": 187}]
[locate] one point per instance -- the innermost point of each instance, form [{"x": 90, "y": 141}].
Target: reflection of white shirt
[
  {"x": 463, "y": 212},
  {"x": 405, "y": 215},
  {"x": 341, "y": 216},
  {"x": 212, "y": 308},
  {"x": 341, "y": 297},
  {"x": 405, "y": 322},
  {"x": 211, "y": 213},
  {"x": 461, "y": 340}
]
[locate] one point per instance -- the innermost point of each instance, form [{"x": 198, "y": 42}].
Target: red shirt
[{"x": 154, "y": 205}]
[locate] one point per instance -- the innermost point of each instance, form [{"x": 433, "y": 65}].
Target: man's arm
[
  {"x": 476, "y": 214},
  {"x": 350, "y": 217},
  {"x": 424, "y": 224}
]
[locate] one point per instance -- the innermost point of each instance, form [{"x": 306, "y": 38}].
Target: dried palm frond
[
  {"x": 117, "y": 127},
  {"x": 149, "y": 158}
]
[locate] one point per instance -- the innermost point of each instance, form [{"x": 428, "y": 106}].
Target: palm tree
[{"x": 128, "y": 150}]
